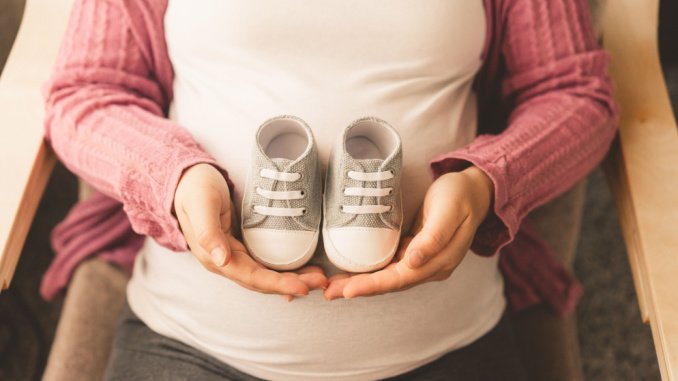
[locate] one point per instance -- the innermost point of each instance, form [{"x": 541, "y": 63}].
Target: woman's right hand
[{"x": 203, "y": 206}]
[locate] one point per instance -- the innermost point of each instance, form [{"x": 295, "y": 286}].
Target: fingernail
[
  {"x": 416, "y": 259},
  {"x": 218, "y": 256}
]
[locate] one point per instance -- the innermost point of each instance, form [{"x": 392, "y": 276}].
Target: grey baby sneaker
[
  {"x": 362, "y": 202},
  {"x": 282, "y": 199}
]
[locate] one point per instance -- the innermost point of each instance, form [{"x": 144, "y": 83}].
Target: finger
[
  {"x": 385, "y": 280},
  {"x": 418, "y": 222},
  {"x": 438, "y": 228},
  {"x": 335, "y": 288},
  {"x": 443, "y": 265},
  {"x": 314, "y": 281},
  {"x": 229, "y": 219},
  {"x": 402, "y": 248},
  {"x": 395, "y": 277},
  {"x": 288, "y": 298},
  {"x": 313, "y": 276},
  {"x": 400, "y": 276},
  {"x": 454, "y": 252},
  {"x": 205, "y": 218},
  {"x": 248, "y": 273},
  {"x": 197, "y": 250},
  {"x": 226, "y": 222}
]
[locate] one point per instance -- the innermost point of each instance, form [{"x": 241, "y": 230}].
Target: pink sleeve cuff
[{"x": 501, "y": 224}]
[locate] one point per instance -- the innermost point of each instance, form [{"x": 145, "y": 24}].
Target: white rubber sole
[
  {"x": 292, "y": 264},
  {"x": 342, "y": 262}
]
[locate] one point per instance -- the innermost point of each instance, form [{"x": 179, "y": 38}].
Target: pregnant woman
[{"x": 156, "y": 104}]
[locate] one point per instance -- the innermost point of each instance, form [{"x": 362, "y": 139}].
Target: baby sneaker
[
  {"x": 362, "y": 202},
  {"x": 282, "y": 200}
]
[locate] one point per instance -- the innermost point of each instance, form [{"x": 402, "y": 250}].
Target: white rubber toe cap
[
  {"x": 281, "y": 249},
  {"x": 359, "y": 249}
]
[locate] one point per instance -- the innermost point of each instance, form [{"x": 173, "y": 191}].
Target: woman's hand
[
  {"x": 454, "y": 206},
  {"x": 202, "y": 203}
]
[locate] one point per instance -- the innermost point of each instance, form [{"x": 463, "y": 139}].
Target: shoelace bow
[
  {"x": 279, "y": 195},
  {"x": 367, "y": 192}
]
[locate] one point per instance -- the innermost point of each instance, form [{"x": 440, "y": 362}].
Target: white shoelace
[
  {"x": 279, "y": 195},
  {"x": 368, "y": 192}
]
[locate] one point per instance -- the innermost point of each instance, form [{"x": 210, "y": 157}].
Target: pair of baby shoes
[{"x": 361, "y": 206}]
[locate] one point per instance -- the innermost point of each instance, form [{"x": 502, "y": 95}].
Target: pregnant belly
[{"x": 174, "y": 295}]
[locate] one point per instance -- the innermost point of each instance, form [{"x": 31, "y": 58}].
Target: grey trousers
[{"x": 140, "y": 354}]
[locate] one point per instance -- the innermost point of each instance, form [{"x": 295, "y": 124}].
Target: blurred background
[{"x": 615, "y": 344}]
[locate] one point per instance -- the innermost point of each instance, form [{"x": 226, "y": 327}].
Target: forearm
[
  {"x": 542, "y": 154},
  {"x": 563, "y": 116},
  {"x": 105, "y": 117},
  {"x": 129, "y": 154}
]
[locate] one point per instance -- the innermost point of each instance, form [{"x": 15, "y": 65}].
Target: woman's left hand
[{"x": 454, "y": 206}]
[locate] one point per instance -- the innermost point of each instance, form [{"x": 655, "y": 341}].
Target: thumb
[
  {"x": 436, "y": 232},
  {"x": 205, "y": 216}
]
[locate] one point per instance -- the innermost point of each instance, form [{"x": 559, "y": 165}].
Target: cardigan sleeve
[
  {"x": 105, "y": 118},
  {"x": 562, "y": 119}
]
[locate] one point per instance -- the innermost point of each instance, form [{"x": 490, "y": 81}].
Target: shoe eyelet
[
  {"x": 392, "y": 172},
  {"x": 303, "y": 211},
  {"x": 390, "y": 192},
  {"x": 303, "y": 193},
  {"x": 341, "y": 208}
]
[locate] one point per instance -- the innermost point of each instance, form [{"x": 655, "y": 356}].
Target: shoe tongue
[
  {"x": 282, "y": 164},
  {"x": 370, "y": 165}
]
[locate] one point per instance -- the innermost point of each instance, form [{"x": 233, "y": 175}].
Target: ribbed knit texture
[
  {"x": 105, "y": 113},
  {"x": 107, "y": 100},
  {"x": 563, "y": 116}
]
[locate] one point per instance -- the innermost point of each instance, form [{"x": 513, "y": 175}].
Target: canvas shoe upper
[
  {"x": 282, "y": 199},
  {"x": 362, "y": 201}
]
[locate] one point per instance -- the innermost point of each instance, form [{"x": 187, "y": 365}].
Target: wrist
[
  {"x": 198, "y": 177},
  {"x": 480, "y": 179},
  {"x": 483, "y": 188}
]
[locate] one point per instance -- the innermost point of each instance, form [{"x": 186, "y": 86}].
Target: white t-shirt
[{"x": 238, "y": 63}]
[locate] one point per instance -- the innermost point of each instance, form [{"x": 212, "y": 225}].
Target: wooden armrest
[
  {"x": 25, "y": 160},
  {"x": 642, "y": 169}
]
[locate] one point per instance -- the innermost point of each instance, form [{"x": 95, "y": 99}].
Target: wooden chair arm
[
  {"x": 642, "y": 169},
  {"x": 26, "y": 161}
]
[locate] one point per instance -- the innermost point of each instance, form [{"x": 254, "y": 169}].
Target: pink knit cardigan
[{"x": 546, "y": 119}]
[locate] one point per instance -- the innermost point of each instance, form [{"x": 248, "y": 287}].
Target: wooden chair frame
[{"x": 642, "y": 167}]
